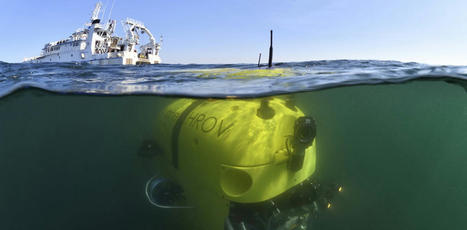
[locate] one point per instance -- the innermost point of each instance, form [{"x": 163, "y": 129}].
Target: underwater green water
[{"x": 399, "y": 150}]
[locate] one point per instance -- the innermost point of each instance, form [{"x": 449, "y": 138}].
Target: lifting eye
[{"x": 265, "y": 111}]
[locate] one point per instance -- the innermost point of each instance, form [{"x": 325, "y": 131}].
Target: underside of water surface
[
  {"x": 79, "y": 149},
  {"x": 220, "y": 81}
]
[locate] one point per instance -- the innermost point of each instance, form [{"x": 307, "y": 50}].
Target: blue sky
[{"x": 236, "y": 31}]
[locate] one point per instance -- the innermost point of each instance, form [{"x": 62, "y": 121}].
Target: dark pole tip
[
  {"x": 270, "y": 53},
  {"x": 259, "y": 60},
  {"x": 271, "y": 37}
]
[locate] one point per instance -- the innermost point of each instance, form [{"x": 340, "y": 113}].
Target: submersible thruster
[{"x": 237, "y": 164}]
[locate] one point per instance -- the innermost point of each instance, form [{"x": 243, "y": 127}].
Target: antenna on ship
[
  {"x": 111, "y": 8},
  {"x": 103, "y": 11},
  {"x": 270, "y": 53}
]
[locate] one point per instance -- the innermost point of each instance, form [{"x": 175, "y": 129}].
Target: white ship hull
[{"x": 120, "y": 58}]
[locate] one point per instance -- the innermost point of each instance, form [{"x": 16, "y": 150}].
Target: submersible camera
[
  {"x": 304, "y": 134},
  {"x": 226, "y": 156}
]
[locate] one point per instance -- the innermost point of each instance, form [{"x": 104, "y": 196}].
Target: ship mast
[{"x": 96, "y": 11}]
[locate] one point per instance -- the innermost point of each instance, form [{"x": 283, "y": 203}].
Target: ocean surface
[
  {"x": 73, "y": 140},
  {"x": 214, "y": 80}
]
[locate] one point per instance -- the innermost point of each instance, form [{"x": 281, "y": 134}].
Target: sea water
[{"x": 393, "y": 134}]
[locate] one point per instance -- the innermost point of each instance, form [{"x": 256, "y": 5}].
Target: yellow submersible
[{"x": 222, "y": 153}]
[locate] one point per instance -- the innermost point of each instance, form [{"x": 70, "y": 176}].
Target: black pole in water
[
  {"x": 259, "y": 60},
  {"x": 270, "y": 53}
]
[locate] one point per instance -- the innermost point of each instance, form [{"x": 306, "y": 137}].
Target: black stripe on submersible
[{"x": 177, "y": 128}]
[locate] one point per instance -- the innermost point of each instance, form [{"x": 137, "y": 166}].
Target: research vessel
[{"x": 97, "y": 44}]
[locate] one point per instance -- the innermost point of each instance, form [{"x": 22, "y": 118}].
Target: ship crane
[{"x": 132, "y": 36}]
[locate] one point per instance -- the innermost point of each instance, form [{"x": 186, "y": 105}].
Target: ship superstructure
[{"x": 97, "y": 44}]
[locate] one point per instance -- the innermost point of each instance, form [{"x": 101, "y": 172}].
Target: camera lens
[{"x": 305, "y": 130}]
